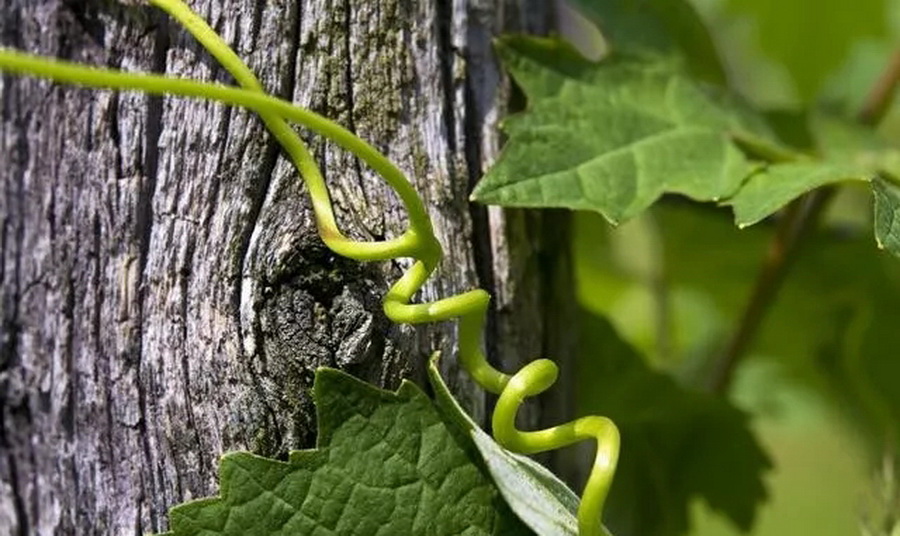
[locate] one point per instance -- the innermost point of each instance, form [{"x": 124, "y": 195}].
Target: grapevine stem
[
  {"x": 882, "y": 94},
  {"x": 418, "y": 242},
  {"x": 796, "y": 223}
]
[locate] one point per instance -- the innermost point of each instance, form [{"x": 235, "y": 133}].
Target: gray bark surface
[{"x": 165, "y": 297}]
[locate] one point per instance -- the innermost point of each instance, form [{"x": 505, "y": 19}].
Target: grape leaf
[
  {"x": 613, "y": 136},
  {"x": 539, "y": 498},
  {"x": 849, "y": 151},
  {"x": 773, "y": 187},
  {"x": 679, "y": 444},
  {"x": 657, "y": 28},
  {"x": 386, "y": 464},
  {"x": 857, "y": 341},
  {"x": 848, "y": 142}
]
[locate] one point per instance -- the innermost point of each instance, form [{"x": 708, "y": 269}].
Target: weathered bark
[{"x": 164, "y": 295}]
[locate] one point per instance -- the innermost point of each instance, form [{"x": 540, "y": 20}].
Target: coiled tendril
[{"x": 418, "y": 242}]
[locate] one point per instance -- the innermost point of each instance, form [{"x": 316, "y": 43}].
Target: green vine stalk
[{"x": 418, "y": 243}]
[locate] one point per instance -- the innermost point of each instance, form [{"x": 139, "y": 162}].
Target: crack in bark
[
  {"x": 256, "y": 20},
  {"x": 216, "y": 185},
  {"x": 350, "y": 101},
  {"x": 18, "y": 501},
  {"x": 67, "y": 412},
  {"x": 114, "y": 133},
  {"x": 185, "y": 276},
  {"x": 143, "y": 234},
  {"x": 480, "y": 239},
  {"x": 259, "y": 195},
  {"x": 11, "y": 323},
  {"x": 446, "y": 53}
]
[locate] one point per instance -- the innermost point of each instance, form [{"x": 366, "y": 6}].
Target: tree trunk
[{"x": 165, "y": 297}]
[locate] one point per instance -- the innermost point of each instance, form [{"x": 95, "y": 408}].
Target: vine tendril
[{"x": 417, "y": 242}]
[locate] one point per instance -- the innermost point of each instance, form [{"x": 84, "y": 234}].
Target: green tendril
[{"x": 418, "y": 242}]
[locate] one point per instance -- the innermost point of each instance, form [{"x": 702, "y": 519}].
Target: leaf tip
[{"x": 481, "y": 193}]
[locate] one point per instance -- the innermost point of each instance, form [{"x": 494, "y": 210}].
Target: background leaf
[
  {"x": 847, "y": 151},
  {"x": 677, "y": 444}
]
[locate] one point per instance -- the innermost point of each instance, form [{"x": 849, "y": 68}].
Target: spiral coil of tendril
[{"x": 418, "y": 243}]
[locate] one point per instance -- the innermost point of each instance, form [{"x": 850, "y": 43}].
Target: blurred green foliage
[
  {"x": 793, "y": 52},
  {"x": 824, "y": 369},
  {"x": 663, "y": 292},
  {"x": 811, "y": 40},
  {"x": 681, "y": 443}
]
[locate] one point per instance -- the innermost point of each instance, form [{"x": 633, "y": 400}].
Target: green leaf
[
  {"x": 775, "y": 186},
  {"x": 613, "y": 136},
  {"x": 658, "y": 28},
  {"x": 847, "y": 141},
  {"x": 385, "y": 465},
  {"x": 678, "y": 444},
  {"x": 535, "y": 494},
  {"x": 846, "y": 151},
  {"x": 849, "y": 152},
  {"x": 887, "y": 215}
]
